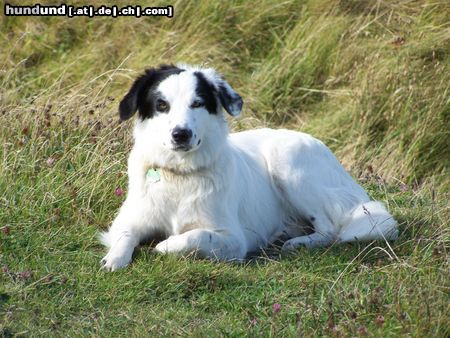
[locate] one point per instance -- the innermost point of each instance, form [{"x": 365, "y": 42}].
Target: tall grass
[{"x": 367, "y": 76}]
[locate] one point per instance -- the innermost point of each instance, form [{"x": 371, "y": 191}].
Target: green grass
[{"x": 370, "y": 78}]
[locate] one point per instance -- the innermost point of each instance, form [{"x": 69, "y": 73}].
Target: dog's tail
[{"x": 368, "y": 221}]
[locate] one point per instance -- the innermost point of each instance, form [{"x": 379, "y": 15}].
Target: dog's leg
[
  {"x": 131, "y": 226},
  {"x": 324, "y": 234},
  {"x": 119, "y": 255},
  {"x": 206, "y": 243}
]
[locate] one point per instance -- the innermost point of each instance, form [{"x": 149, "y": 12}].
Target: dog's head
[{"x": 180, "y": 107}]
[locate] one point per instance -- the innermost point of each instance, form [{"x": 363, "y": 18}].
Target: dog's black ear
[
  {"x": 129, "y": 104},
  {"x": 211, "y": 83},
  {"x": 230, "y": 100}
]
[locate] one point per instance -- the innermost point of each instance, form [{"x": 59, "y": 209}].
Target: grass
[{"x": 370, "y": 78}]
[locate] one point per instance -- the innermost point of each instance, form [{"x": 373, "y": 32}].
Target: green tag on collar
[{"x": 154, "y": 175}]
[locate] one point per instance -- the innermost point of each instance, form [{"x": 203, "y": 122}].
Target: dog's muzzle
[{"x": 181, "y": 138}]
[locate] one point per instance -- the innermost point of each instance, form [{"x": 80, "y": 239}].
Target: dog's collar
[{"x": 154, "y": 175}]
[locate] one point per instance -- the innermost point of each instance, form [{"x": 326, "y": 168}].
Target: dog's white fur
[{"x": 231, "y": 194}]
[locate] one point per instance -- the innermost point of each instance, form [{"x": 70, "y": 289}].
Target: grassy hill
[{"x": 369, "y": 78}]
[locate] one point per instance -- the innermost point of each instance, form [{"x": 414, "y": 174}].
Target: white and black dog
[{"x": 224, "y": 195}]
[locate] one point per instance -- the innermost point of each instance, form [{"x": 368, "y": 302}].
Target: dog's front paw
[
  {"x": 163, "y": 247},
  {"x": 295, "y": 243},
  {"x": 174, "y": 244},
  {"x": 289, "y": 246},
  {"x": 113, "y": 262}
]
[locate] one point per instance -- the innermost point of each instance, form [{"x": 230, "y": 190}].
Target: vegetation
[{"x": 370, "y": 78}]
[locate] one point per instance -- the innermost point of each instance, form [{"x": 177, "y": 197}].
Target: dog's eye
[
  {"x": 197, "y": 104},
  {"x": 162, "y": 106}
]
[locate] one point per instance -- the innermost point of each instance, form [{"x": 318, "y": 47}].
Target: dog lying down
[{"x": 224, "y": 195}]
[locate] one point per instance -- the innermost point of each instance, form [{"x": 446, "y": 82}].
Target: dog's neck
[
  {"x": 171, "y": 174},
  {"x": 182, "y": 173}
]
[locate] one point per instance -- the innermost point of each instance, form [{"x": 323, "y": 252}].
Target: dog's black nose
[{"x": 181, "y": 135}]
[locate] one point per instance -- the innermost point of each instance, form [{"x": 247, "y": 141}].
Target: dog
[{"x": 222, "y": 195}]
